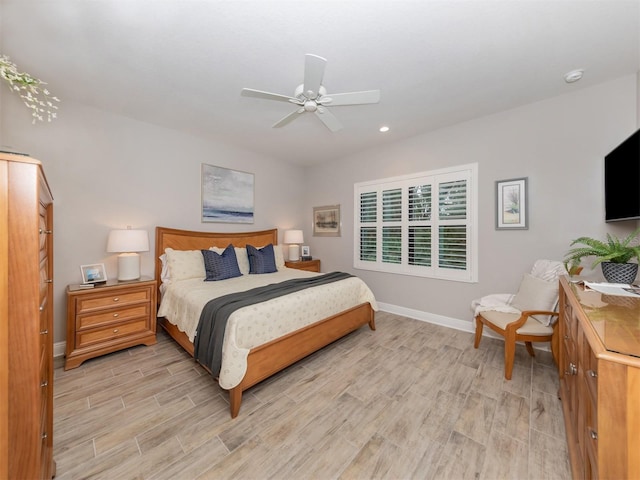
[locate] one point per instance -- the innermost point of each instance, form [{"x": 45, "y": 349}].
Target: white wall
[
  {"x": 108, "y": 171},
  {"x": 559, "y": 144}
]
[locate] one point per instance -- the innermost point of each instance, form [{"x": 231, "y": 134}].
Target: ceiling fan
[{"x": 311, "y": 96}]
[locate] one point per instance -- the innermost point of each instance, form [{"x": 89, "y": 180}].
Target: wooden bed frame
[{"x": 272, "y": 357}]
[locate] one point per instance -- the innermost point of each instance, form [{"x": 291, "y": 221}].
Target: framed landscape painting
[
  {"x": 511, "y": 204},
  {"x": 227, "y": 195},
  {"x": 326, "y": 221}
]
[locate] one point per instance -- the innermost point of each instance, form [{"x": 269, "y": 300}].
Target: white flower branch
[{"x": 37, "y": 98}]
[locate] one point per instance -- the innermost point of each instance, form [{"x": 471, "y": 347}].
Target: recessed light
[
  {"x": 573, "y": 76},
  {"x": 384, "y": 129}
]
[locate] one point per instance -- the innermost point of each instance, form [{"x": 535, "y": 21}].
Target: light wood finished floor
[{"x": 410, "y": 400}]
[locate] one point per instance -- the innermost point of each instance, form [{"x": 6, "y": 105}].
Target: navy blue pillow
[
  {"x": 221, "y": 266},
  {"x": 261, "y": 260}
]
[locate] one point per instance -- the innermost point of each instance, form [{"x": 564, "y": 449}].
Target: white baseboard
[
  {"x": 465, "y": 326},
  {"x": 455, "y": 323},
  {"x": 58, "y": 349}
]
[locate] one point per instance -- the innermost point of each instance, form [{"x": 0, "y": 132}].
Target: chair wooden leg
[
  {"x": 479, "y": 326},
  {"x": 509, "y": 356},
  {"x": 529, "y": 346}
]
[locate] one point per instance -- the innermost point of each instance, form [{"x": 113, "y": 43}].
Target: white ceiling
[{"x": 182, "y": 63}]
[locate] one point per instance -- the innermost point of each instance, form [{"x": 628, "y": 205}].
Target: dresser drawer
[
  {"x": 110, "y": 316},
  {"x": 113, "y": 332},
  {"x": 106, "y": 300}
]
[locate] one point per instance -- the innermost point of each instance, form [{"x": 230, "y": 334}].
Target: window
[{"x": 422, "y": 224}]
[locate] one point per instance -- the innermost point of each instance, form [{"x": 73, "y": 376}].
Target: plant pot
[{"x": 619, "y": 272}]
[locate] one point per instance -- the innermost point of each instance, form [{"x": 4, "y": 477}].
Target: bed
[{"x": 275, "y": 354}]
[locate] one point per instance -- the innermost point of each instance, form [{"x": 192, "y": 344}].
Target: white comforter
[{"x": 248, "y": 327}]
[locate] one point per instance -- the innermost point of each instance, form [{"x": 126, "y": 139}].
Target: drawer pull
[
  {"x": 116, "y": 315},
  {"x": 44, "y": 332},
  {"x": 115, "y": 330},
  {"x": 44, "y": 436},
  {"x": 44, "y": 384},
  {"x": 593, "y": 434},
  {"x": 593, "y": 374},
  {"x": 41, "y": 308},
  {"x": 573, "y": 370},
  {"x": 115, "y": 299},
  {"x": 566, "y": 337},
  {"x": 46, "y": 232},
  {"x": 48, "y": 280}
]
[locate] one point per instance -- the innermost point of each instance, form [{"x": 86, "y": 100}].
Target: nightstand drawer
[
  {"x": 113, "y": 299},
  {"x": 112, "y": 315},
  {"x": 97, "y": 335},
  {"x": 309, "y": 265}
]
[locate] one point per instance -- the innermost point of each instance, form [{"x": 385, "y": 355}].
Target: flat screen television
[{"x": 622, "y": 181}]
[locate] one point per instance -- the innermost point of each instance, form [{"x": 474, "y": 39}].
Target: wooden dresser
[
  {"x": 600, "y": 381},
  {"x": 26, "y": 329},
  {"x": 109, "y": 317}
]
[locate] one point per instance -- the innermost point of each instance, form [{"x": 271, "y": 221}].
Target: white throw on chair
[{"x": 528, "y": 316}]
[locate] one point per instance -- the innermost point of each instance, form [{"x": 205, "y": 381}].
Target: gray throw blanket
[{"x": 214, "y": 316}]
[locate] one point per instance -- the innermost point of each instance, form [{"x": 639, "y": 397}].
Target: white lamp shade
[
  {"x": 127, "y": 241},
  {"x": 293, "y": 236}
]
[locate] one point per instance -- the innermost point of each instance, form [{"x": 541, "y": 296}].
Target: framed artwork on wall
[
  {"x": 326, "y": 221},
  {"x": 95, "y": 273},
  {"x": 227, "y": 195},
  {"x": 512, "y": 204}
]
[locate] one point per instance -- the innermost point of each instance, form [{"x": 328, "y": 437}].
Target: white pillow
[
  {"x": 164, "y": 273},
  {"x": 241, "y": 257},
  {"x": 184, "y": 264},
  {"x": 536, "y": 294},
  {"x": 548, "y": 270},
  {"x": 277, "y": 252}
]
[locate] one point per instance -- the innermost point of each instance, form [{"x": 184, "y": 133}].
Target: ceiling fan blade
[
  {"x": 351, "y": 98},
  {"x": 288, "y": 119},
  {"x": 313, "y": 73},
  {"x": 249, "y": 92},
  {"x": 329, "y": 119}
]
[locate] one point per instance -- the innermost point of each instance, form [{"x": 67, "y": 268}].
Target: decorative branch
[{"x": 34, "y": 95}]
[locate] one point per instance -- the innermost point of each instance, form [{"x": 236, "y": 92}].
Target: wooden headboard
[{"x": 190, "y": 240}]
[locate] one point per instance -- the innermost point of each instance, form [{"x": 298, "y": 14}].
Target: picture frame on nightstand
[
  {"x": 305, "y": 253},
  {"x": 94, "y": 273}
]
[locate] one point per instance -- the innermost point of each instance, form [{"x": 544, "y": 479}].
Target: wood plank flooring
[{"x": 410, "y": 400}]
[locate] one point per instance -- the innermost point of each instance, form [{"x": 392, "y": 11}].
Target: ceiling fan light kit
[{"x": 311, "y": 96}]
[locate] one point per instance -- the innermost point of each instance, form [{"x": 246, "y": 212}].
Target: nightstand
[
  {"x": 310, "y": 265},
  {"x": 109, "y": 317}
]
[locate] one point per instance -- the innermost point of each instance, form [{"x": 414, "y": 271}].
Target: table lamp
[
  {"x": 294, "y": 239},
  {"x": 128, "y": 243}
]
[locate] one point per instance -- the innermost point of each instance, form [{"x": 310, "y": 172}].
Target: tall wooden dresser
[
  {"x": 600, "y": 381},
  {"x": 26, "y": 326}
]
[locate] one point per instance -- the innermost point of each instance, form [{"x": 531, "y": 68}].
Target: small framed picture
[
  {"x": 306, "y": 251},
  {"x": 93, "y": 273},
  {"x": 512, "y": 204}
]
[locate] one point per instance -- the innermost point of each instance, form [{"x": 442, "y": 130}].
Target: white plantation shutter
[
  {"x": 452, "y": 209},
  {"x": 422, "y": 224},
  {"x": 368, "y": 218}
]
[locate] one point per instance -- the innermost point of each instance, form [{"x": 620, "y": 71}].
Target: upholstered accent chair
[{"x": 528, "y": 316}]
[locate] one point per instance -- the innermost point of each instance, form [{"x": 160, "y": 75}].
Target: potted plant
[{"x": 614, "y": 256}]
